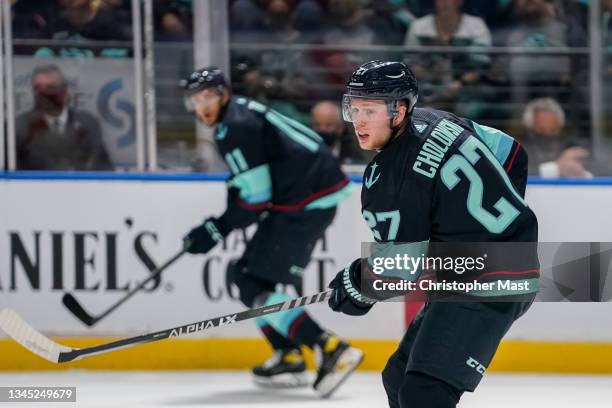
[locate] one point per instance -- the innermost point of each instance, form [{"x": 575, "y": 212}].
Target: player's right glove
[
  {"x": 347, "y": 297},
  {"x": 204, "y": 237}
]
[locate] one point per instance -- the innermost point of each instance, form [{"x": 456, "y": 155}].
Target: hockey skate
[
  {"x": 338, "y": 361},
  {"x": 285, "y": 369}
]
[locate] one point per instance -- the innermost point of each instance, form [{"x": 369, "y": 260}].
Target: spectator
[
  {"x": 173, "y": 28},
  {"x": 279, "y": 66},
  {"x": 86, "y": 19},
  {"x": 248, "y": 80},
  {"x": 403, "y": 11},
  {"x": 444, "y": 76},
  {"x": 493, "y": 12},
  {"x": 449, "y": 26},
  {"x": 327, "y": 121},
  {"x": 31, "y": 19},
  {"x": 173, "y": 21},
  {"x": 551, "y": 152},
  {"x": 490, "y": 101},
  {"x": 348, "y": 24},
  {"x": 246, "y": 19},
  {"x": 264, "y": 21},
  {"x": 278, "y": 21},
  {"x": 533, "y": 75},
  {"x": 389, "y": 19},
  {"x": 310, "y": 19},
  {"x": 299, "y": 21},
  {"x": 348, "y": 27},
  {"x": 53, "y": 136},
  {"x": 575, "y": 15},
  {"x": 278, "y": 28}
]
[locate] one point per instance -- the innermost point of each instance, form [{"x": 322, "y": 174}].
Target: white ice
[{"x": 234, "y": 389}]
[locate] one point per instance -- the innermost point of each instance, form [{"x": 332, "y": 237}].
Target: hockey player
[
  {"x": 436, "y": 178},
  {"x": 284, "y": 179}
]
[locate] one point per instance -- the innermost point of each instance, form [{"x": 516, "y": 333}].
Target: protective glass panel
[
  {"x": 73, "y": 78},
  {"x": 177, "y": 141}
]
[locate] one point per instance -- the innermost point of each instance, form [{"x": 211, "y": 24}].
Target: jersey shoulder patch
[
  {"x": 500, "y": 143},
  {"x": 424, "y": 119},
  {"x": 420, "y": 126}
]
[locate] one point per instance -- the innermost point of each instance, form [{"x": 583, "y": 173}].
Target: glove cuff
[
  {"x": 216, "y": 229},
  {"x": 221, "y": 227},
  {"x": 352, "y": 287}
]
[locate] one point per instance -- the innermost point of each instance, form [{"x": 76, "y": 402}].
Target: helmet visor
[{"x": 355, "y": 108}]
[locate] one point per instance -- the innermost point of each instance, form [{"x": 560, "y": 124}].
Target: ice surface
[{"x": 234, "y": 389}]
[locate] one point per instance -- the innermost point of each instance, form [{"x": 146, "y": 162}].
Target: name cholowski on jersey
[
  {"x": 435, "y": 147},
  {"x": 439, "y": 181}
]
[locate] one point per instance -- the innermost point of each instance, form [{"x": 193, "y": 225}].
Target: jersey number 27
[
  {"x": 374, "y": 218},
  {"x": 473, "y": 150}
]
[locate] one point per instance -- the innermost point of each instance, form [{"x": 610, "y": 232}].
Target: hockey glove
[
  {"x": 204, "y": 237},
  {"x": 347, "y": 297}
]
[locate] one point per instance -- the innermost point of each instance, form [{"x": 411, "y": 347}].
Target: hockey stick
[
  {"x": 75, "y": 307},
  {"x": 18, "y": 329}
]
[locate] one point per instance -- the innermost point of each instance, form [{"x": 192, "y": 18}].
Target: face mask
[
  {"x": 279, "y": 18},
  {"x": 50, "y": 103},
  {"x": 252, "y": 88},
  {"x": 329, "y": 139}
]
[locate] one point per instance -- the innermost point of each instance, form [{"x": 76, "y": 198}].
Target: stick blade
[
  {"x": 76, "y": 309},
  {"x": 20, "y": 331}
]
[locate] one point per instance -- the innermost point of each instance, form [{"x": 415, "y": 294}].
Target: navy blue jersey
[
  {"x": 447, "y": 179},
  {"x": 277, "y": 164},
  {"x": 443, "y": 179}
]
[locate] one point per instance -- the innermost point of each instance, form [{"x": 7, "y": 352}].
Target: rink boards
[{"x": 97, "y": 238}]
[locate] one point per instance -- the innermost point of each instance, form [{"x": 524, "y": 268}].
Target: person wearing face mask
[
  {"x": 54, "y": 136},
  {"x": 326, "y": 120},
  {"x": 285, "y": 180}
]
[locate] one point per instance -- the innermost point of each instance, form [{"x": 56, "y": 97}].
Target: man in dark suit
[{"x": 54, "y": 136}]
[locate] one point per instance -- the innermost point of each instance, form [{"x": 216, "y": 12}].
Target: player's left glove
[
  {"x": 204, "y": 237},
  {"x": 347, "y": 297}
]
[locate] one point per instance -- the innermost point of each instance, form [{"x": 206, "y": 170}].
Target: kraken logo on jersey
[
  {"x": 221, "y": 131},
  {"x": 435, "y": 147}
]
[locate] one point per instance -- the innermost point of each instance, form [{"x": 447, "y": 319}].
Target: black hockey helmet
[
  {"x": 201, "y": 79},
  {"x": 390, "y": 81},
  {"x": 207, "y": 77}
]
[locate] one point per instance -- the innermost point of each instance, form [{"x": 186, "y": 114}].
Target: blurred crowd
[
  {"x": 540, "y": 54},
  {"x": 295, "y": 56},
  {"x": 97, "y": 20}
]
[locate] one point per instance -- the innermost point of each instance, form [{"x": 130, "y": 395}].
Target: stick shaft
[
  {"x": 77, "y": 309},
  {"x": 196, "y": 327},
  {"x": 141, "y": 285}
]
